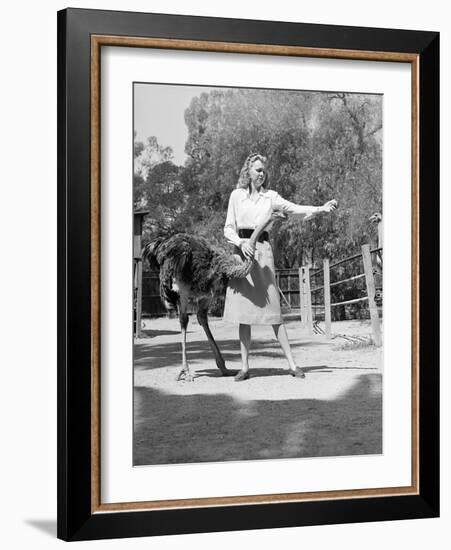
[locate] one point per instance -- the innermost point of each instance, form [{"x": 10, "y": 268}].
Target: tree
[
  {"x": 145, "y": 157},
  {"x": 157, "y": 187},
  {"x": 320, "y": 146}
]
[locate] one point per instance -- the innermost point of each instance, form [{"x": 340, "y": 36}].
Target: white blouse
[{"x": 246, "y": 213}]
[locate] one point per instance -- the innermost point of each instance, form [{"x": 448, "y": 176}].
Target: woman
[{"x": 255, "y": 299}]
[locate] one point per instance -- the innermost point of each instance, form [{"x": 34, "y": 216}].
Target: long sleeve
[
  {"x": 230, "y": 227},
  {"x": 288, "y": 207}
]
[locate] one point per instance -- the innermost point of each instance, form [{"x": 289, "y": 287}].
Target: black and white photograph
[{"x": 257, "y": 274}]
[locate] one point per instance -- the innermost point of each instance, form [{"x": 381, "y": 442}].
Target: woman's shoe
[
  {"x": 298, "y": 373},
  {"x": 242, "y": 375}
]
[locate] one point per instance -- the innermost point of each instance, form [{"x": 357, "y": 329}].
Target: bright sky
[{"x": 159, "y": 111}]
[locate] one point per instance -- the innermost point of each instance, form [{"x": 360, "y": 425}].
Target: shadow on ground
[
  {"x": 150, "y": 333},
  {"x": 256, "y": 372},
  {"x": 172, "y": 429},
  {"x": 154, "y": 356}
]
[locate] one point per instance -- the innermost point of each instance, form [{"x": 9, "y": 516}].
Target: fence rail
[{"x": 336, "y": 283}]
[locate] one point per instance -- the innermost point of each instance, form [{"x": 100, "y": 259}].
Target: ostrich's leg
[
  {"x": 202, "y": 317},
  {"x": 185, "y": 373}
]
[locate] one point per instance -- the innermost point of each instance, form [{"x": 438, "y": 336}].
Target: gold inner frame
[{"x": 97, "y": 41}]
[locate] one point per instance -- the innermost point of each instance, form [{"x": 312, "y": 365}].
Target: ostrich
[{"x": 191, "y": 268}]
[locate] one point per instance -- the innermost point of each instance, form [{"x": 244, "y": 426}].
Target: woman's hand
[
  {"x": 247, "y": 250},
  {"x": 329, "y": 206}
]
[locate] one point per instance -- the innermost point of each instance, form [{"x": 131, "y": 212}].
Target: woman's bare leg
[
  {"x": 245, "y": 345},
  {"x": 281, "y": 334}
]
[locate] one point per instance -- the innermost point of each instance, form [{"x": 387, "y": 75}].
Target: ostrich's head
[{"x": 375, "y": 218}]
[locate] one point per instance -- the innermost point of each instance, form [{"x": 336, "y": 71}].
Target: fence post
[
  {"x": 306, "y": 313},
  {"x": 327, "y": 307},
  {"x": 371, "y": 290},
  {"x": 302, "y": 297},
  {"x": 139, "y": 298},
  {"x": 309, "y": 300},
  {"x": 289, "y": 290}
]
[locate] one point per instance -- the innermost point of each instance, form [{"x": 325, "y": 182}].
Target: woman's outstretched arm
[{"x": 306, "y": 211}]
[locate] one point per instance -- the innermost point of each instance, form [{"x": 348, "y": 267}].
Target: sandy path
[{"x": 335, "y": 410}]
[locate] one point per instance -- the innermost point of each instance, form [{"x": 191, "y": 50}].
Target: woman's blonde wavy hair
[{"x": 244, "y": 180}]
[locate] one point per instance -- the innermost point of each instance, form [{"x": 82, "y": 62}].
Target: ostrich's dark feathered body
[
  {"x": 192, "y": 266},
  {"x": 191, "y": 269}
]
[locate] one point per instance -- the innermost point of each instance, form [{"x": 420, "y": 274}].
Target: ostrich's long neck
[{"x": 260, "y": 228}]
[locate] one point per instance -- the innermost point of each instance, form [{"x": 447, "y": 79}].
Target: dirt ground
[{"x": 336, "y": 410}]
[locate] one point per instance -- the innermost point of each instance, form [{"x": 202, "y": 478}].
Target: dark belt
[{"x": 246, "y": 234}]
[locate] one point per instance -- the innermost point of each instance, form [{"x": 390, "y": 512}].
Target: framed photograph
[{"x": 232, "y": 353}]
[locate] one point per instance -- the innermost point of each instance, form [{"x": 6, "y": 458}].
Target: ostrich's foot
[
  {"x": 185, "y": 375},
  {"x": 226, "y": 372},
  {"x": 242, "y": 375},
  {"x": 297, "y": 373}
]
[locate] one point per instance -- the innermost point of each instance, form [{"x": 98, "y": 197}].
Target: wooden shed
[{"x": 138, "y": 220}]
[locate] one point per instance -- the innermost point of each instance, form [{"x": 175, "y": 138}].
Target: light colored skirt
[{"x": 255, "y": 299}]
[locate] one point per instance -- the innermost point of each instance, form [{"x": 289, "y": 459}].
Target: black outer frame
[{"x": 75, "y": 520}]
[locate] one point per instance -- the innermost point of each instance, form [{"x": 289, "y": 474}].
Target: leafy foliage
[{"x": 319, "y": 145}]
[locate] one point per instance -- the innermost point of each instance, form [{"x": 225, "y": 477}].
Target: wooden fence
[
  {"x": 152, "y": 306},
  {"x": 371, "y": 293}
]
